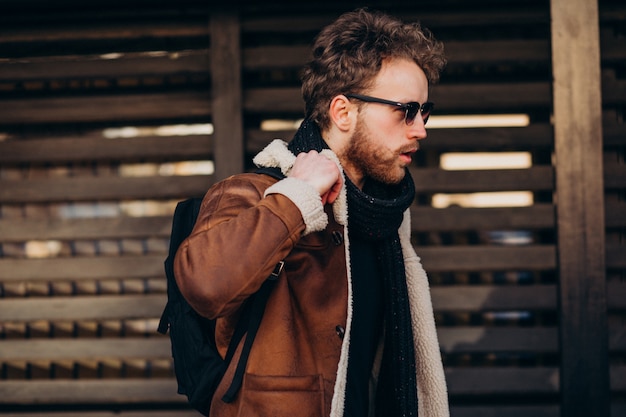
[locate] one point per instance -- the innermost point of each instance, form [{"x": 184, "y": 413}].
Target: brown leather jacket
[{"x": 298, "y": 363}]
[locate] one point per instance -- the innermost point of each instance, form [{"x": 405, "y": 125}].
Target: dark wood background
[{"x": 530, "y": 327}]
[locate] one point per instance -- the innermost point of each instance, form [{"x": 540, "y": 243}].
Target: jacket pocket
[{"x": 281, "y": 396}]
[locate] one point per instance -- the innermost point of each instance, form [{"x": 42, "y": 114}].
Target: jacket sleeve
[{"x": 239, "y": 237}]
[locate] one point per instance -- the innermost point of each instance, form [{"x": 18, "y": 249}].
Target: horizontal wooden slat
[
  {"x": 498, "y": 339},
  {"x": 21, "y": 230},
  {"x": 82, "y": 268},
  {"x": 457, "y": 339},
  {"x": 428, "y": 219},
  {"x": 115, "y": 413},
  {"x": 50, "y": 190},
  {"x": 476, "y": 339},
  {"x": 109, "y": 29},
  {"x": 490, "y": 297},
  {"x": 445, "y": 298},
  {"x": 77, "y": 349},
  {"x": 451, "y": 97},
  {"x": 487, "y": 258},
  {"x": 538, "y": 216},
  {"x": 473, "y": 381},
  {"x": 114, "y": 391},
  {"x": 503, "y": 411},
  {"x": 87, "y": 148},
  {"x": 107, "y": 108},
  {"x": 437, "y": 180},
  {"x": 103, "y": 307},
  {"x": 494, "y": 139},
  {"x": 131, "y": 64},
  {"x": 495, "y": 380}
]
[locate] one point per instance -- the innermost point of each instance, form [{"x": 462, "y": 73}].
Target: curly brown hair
[{"x": 349, "y": 53}]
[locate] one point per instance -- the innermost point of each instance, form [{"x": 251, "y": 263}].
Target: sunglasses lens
[
  {"x": 427, "y": 108},
  {"x": 413, "y": 108},
  {"x": 411, "y": 111}
]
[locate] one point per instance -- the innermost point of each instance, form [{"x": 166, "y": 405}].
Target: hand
[{"x": 319, "y": 172}]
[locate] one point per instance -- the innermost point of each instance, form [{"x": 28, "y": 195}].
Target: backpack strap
[{"x": 257, "y": 309}]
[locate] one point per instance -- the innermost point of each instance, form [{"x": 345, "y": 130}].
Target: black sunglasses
[{"x": 411, "y": 109}]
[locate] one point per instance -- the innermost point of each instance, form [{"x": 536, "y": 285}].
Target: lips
[{"x": 407, "y": 155}]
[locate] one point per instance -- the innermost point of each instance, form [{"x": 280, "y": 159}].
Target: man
[{"x": 348, "y": 329}]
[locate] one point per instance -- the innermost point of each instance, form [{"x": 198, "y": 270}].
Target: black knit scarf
[{"x": 375, "y": 214}]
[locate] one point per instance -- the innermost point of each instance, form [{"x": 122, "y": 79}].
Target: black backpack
[{"x": 198, "y": 366}]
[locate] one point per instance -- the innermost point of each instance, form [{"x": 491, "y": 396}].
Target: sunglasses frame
[{"x": 411, "y": 109}]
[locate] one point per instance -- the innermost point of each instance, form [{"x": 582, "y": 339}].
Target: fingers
[{"x": 320, "y": 172}]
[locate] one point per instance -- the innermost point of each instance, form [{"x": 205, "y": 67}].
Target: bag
[{"x": 198, "y": 366}]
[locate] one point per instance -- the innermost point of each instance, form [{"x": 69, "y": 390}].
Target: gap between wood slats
[
  {"x": 49, "y": 151},
  {"x": 49, "y": 190}
]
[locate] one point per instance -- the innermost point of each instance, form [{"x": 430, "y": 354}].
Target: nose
[{"x": 417, "y": 129}]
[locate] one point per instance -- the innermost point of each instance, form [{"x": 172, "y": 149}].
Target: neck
[{"x": 338, "y": 144}]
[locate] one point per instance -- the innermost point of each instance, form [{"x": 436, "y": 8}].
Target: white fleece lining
[
  {"x": 431, "y": 383},
  {"x": 306, "y": 198}
]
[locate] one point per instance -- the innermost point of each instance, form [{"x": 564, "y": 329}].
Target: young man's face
[{"x": 382, "y": 143}]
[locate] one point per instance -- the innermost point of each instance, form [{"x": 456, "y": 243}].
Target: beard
[{"x": 373, "y": 160}]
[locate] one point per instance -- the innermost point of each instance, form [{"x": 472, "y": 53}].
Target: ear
[{"x": 342, "y": 113}]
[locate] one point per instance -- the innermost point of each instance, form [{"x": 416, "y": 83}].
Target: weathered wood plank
[
  {"x": 449, "y": 97},
  {"x": 578, "y": 90},
  {"x": 172, "y": 148},
  {"x": 107, "y": 108},
  {"x": 116, "y": 413},
  {"x": 445, "y": 298},
  {"x": 483, "y": 258},
  {"x": 129, "y": 64},
  {"x": 103, "y": 307},
  {"x": 113, "y": 391},
  {"x": 428, "y": 219},
  {"x": 463, "y": 339},
  {"x": 537, "y": 178},
  {"x": 504, "y": 411},
  {"x": 476, "y": 339},
  {"x": 49, "y": 190},
  {"x": 484, "y": 380},
  {"x": 116, "y": 188},
  {"x": 490, "y": 297},
  {"x": 495, "y": 139},
  {"x": 87, "y": 348},
  {"x": 226, "y": 92},
  {"x": 21, "y": 230},
  {"x": 82, "y": 268}
]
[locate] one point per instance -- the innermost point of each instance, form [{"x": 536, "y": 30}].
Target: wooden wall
[{"x": 85, "y": 218}]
